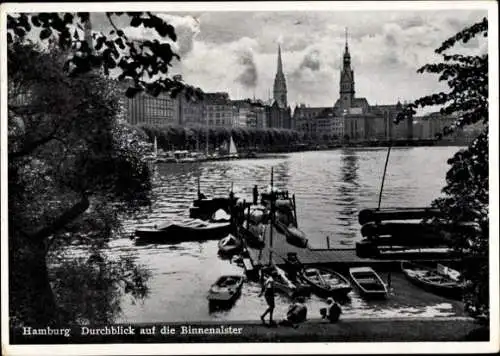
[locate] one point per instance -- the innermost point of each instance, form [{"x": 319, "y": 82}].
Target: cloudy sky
[{"x": 237, "y": 51}]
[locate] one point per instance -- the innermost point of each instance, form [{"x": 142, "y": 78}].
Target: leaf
[
  {"x": 45, "y": 33},
  {"x": 136, "y": 22},
  {"x": 120, "y": 43},
  {"x": 35, "y": 21},
  {"x": 68, "y": 18},
  {"x": 19, "y": 32},
  {"x": 132, "y": 91},
  {"x": 84, "y": 16}
]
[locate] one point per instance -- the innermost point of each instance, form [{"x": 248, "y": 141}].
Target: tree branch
[{"x": 66, "y": 217}]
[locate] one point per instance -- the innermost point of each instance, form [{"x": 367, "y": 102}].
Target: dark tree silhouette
[{"x": 73, "y": 167}]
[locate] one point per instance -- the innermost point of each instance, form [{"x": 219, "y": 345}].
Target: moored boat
[
  {"x": 440, "y": 280},
  {"x": 225, "y": 290},
  {"x": 230, "y": 245},
  {"x": 374, "y": 215},
  {"x": 284, "y": 285},
  {"x": 294, "y": 236},
  {"x": 369, "y": 283},
  {"x": 195, "y": 230},
  {"x": 326, "y": 283}
]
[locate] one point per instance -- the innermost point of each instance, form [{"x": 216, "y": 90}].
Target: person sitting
[
  {"x": 332, "y": 311},
  {"x": 297, "y": 313}
]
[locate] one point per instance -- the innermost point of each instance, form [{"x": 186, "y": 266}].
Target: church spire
[
  {"x": 346, "y": 41},
  {"x": 346, "y": 79},
  {"x": 347, "y": 56},
  {"x": 279, "y": 89},
  {"x": 280, "y": 64}
]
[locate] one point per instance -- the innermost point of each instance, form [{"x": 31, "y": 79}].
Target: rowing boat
[
  {"x": 369, "y": 283},
  {"x": 326, "y": 283},
  {"x": 439, "y": 280}
]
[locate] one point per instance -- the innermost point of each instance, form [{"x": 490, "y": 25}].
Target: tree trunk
[{"x": 32, "y": 300}]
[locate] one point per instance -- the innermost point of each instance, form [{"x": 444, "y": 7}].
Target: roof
[
  {"x": 216, "y": 98},
  {"x": 311, "y": 110},
  {"x": 360, "y": 101}
]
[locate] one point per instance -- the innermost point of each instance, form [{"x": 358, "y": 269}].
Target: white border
[{"x": 258, "y": 348}]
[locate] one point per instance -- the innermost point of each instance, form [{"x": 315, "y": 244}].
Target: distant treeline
[{"x": 191, "y": 138}]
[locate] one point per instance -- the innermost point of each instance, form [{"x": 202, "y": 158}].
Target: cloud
[
  {"x": 187, "y": 28},
  {"x": 311, "y": 61},
  {"x": 249, "y": 75}
]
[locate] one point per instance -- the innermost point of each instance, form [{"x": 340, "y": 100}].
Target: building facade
[
  {"x": 218, "y": 110},
  {"x": 144, "y": 108}
]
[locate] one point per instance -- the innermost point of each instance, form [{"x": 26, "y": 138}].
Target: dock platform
[{"x": 341, "y": 259}]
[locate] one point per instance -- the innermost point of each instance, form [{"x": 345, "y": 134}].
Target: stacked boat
[{"x": 405, "y": 229}]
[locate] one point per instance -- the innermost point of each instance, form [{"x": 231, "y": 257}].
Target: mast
[
  {"x": 272, "y": 219},
  {"x": 206, "y": 139},
  {"x": 383, "y": 176}
]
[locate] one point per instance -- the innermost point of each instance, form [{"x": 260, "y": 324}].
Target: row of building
[
  {"x": 216, "y": 109},
  {"x": 349, "y": 118}
]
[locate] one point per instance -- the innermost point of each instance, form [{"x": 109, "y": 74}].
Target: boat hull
[
  {"x": 205, "y": 208},
  {"x": 179, "y": 233},
  {"x": 368, "y": 283},
  {"x": 451, "y": 291},
  {"x": 339, "y": 291},
  {"x": 221, "y": 297},
  {"x": 230, "y": 249},
  {"x": 372, "y": 215}
]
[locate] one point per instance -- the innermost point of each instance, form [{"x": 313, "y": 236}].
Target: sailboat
[{"x": 233, "y": 152}]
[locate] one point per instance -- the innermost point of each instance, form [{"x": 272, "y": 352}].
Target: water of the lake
[{"x": 330, "y": 188}]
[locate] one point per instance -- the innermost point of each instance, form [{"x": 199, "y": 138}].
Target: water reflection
[{"x": 347, "y": 197}]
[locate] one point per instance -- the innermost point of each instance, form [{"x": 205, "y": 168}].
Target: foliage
[
  {"x": 73, "y": 168},
  {"x": 171, "y": 137},
  {"x": 145, "y": 63},
  {"x": 467, "y": 78},
  {"x": 467, "y": 184}
]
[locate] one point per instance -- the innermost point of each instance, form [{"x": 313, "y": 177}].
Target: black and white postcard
[{"x": 249, "y": 177}]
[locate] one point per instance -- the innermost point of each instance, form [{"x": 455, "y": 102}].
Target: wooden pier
[{"x": 340, "y": 259}]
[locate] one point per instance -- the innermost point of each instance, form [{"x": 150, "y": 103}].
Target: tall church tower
[
  {"x": 279, "y": 89},
  {"x": 346, "y": 79}
]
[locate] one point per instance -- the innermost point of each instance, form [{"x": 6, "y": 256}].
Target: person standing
[
  {"x": 268, "y": 292},
  {"x": 255, "y": 195}
]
